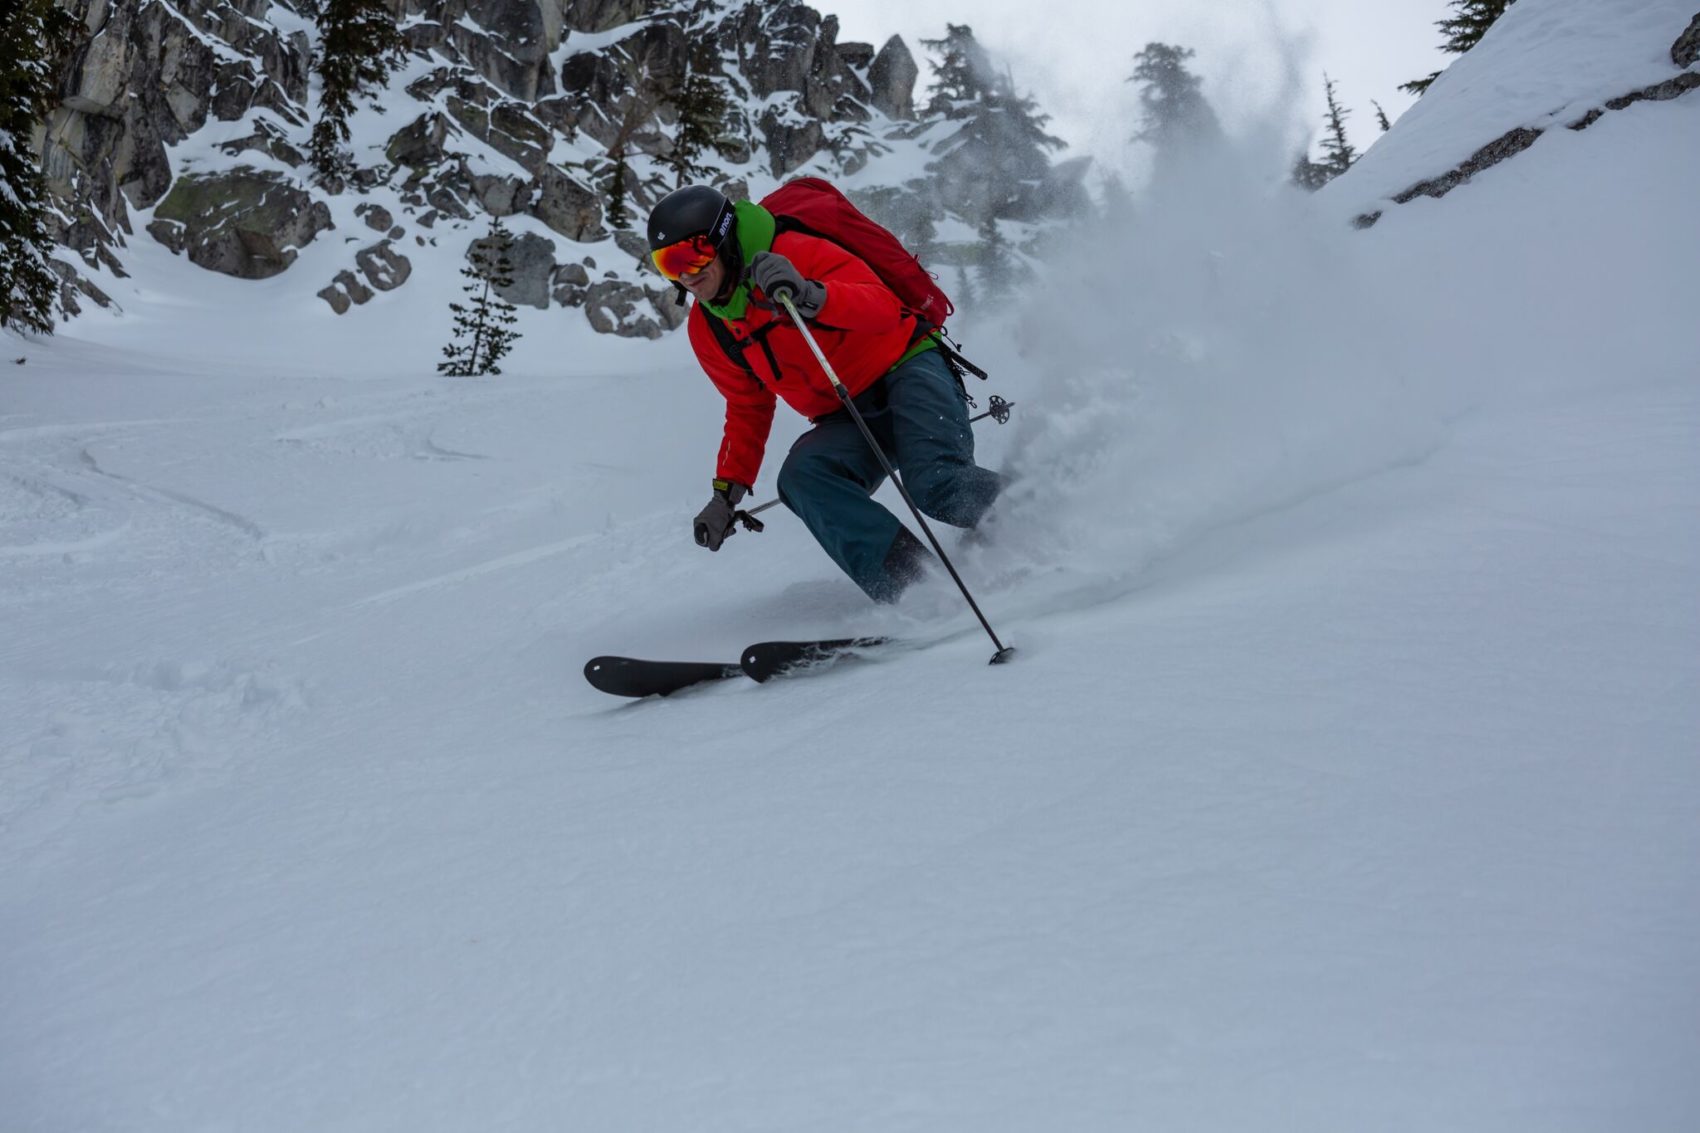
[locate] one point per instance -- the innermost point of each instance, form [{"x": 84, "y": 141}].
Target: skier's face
[{"x": 705, "y": 284}]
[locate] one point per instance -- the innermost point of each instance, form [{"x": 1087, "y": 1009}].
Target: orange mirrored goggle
[{"x": 686, "y": 257}]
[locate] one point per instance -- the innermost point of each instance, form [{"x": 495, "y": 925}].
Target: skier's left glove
[
  {"x": 720, "y": 518},
  {"x": 775, "y": 274}
]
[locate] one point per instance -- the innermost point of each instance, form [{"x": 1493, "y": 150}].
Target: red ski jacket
[{"x": 862, "y": 328}]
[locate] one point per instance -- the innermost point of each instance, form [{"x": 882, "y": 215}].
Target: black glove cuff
[{"x": 731, "y": 490}]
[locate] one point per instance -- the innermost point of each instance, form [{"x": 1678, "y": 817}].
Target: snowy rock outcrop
[
  {"x": 1685, "y": 52},
  {"x": 1448, "y": 138},
  {"x": 147, "y": 77},
  {"x": 496, "y": 112},
  {"x": 245, "y": 223},
  {"x": 891, "y": 80}
]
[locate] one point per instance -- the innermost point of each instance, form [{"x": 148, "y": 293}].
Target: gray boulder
[
  {"x": 345, "y": 291},
  {"x": 791, "y": 139},
  {"x": 506, "y": 128},
  {"x": 857, "y": 56},
  {"x": 569, "y": 285},
  {"x": 1686, "y": 49},
  {"x": 631, "y": 310},
  {"x": 384, "y": 267},
  {"x": 377, "y": 217},
  {"x": 892, "y": 79},
  {"x": 568, "y": 205},
  {"x": 501, "y": 195},
  {"x": 600, "y": 15},
  {"x": 506, "y": 43},
  {"x": 268, "y": 139},
  {"x": 244, "y": 222},
  {"x": 532, "y": 265},
  {"x": 421, "y": 144}
]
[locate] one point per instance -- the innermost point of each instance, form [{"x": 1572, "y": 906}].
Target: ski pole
[
  {"x": 999, "y": 410},
  {"x": 783, "y": 298}
]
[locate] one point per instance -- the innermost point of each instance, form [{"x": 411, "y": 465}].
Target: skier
[{"x": 731, "y": 257}]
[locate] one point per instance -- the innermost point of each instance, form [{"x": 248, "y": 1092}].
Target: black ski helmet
[{"x": 695, "y": 210}]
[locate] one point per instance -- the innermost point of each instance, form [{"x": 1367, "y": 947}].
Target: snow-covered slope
[
  {"x": 1345, "y": 779},
  {"x": 1564, "y": 59}
]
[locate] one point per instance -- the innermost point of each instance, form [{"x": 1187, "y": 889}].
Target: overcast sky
[{"x": 1074, "y": 55}]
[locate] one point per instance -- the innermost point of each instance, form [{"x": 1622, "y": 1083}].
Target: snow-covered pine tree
[
  {"x": 965, "y": 295},
  {"x": 994, "y": 162},
  {"x": 1176, "y": 113},
  {"x": 702, "y": 108},
  {"x": 1463, "y": 30},
  {"x": 619, "y": 192},
  {"x": 1116, "y": 206},
  {"x": 996, "y": 262},
  {"x": 359, "y": 46},
  {"x": 37, "y": 35},
  {"x": 921, "y": 236},
  {"x": 1337, "y": 151},
  {"x": 1308, "y": 174},
  {"x": 614, "y": 169},
  {"x": 483, "y": 332},
  {"x": 961, "y": 70}
]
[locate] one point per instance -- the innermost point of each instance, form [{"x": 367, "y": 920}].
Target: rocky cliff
[{"x": 187, "y": 123}]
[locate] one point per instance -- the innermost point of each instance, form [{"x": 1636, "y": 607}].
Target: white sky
[{"x": 1074, "y": 55}]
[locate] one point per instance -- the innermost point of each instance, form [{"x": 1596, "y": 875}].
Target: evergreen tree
[
  {"x": 996, "y": 262},
  {"x": 1381, "y": 116},
  {"x": 1463, "y": 30},
  {"x": 702, "y": 106},
  {"x": 961, "y": 71},
  {"x": 920, "y": 236},
  {"x": 1310, "y": 175},
  {"x": 614, "y": 169},
  {"x": 37, "y": 35},
  {"x": 1176, "y": 113},
  {"x": 1337, "y": 151},
  {"x": 965, "y": 295},
  {"x": 1118, "y": 209},
  {"x": 360, "y": 46},
  {"x": 618, "y": 211},
  {"x": 482, "y": 328},
  {"x": 996, "y": 161},
  {"x": 1010, "y": 124}
]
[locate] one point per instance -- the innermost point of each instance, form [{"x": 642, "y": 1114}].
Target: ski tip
[
  {"x": 1002, "y": 655},
  {"x": 631, "y": 677},
  {"x": 768, "y": 659}
]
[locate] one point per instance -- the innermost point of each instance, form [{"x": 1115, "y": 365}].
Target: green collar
[{"x": 755, "y": 231}]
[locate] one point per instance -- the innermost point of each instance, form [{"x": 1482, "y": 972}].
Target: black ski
[
  {"x": 768, "y": 659},
  {"x": 629, "y": 676},
  {"x": 632, "y": 676}
]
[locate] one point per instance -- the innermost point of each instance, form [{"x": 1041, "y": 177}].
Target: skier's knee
[
  {"x": 936, "y": 492},
  {"x": 795, "y": 476}
]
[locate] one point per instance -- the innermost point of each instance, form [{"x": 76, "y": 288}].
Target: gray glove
[
  {"x": 776, "y": 275},
  {"x": 720, "y": 518}
]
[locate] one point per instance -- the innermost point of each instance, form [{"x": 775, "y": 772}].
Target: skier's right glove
[
  {"x": 776, "y": 275},
  {"x": 720, "y": 518}
]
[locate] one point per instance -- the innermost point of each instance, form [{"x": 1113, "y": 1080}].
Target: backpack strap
[{"x": 734, "y": 349}]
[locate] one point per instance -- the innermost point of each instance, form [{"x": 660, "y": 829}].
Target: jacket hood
[{"x": 755, "y": 231}]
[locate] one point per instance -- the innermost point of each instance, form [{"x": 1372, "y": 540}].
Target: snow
[
  {"x": 1345, "y": 778},
  {"x": 1541, "y": 65}
]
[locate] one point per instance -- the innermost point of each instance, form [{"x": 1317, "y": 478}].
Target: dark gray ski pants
[{"x": 921, "y": 421}]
